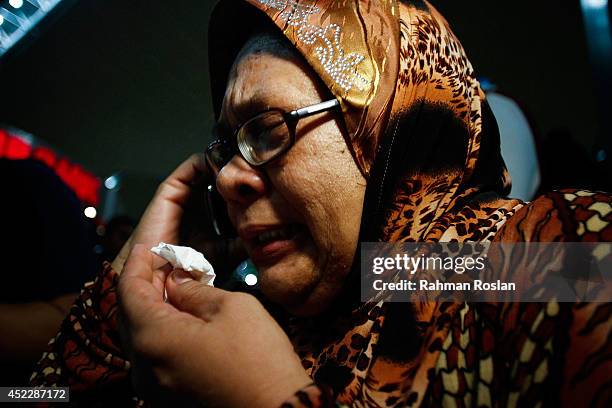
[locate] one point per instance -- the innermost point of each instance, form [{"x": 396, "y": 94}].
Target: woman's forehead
[
  {"x": 263, "y": 70},
  {"x": 261, "y": 81},
  {"x": 269, "y": 43}
]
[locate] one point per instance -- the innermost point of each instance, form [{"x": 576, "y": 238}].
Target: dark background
[{"x": 123, "y": 86}]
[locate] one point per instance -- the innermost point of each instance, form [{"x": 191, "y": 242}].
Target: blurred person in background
[
  {"x": 46, "y": 257},
  {"x": 116, "y": 232},
  {"x": 565, "y": 162}
]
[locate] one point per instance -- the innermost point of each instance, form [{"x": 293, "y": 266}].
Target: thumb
[{"x": 192, "y": 296}]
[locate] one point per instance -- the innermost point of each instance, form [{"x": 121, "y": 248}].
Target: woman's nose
[{"x": 238, "y": 182}]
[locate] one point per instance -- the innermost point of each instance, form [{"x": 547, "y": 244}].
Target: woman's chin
[
  {"x": 296, "y": 279},
  {"x": 288, "y": 282},
  {"x": 301, "y": 293}
]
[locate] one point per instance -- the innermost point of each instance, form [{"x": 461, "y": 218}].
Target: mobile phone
[{"x": 217, "y": 212}]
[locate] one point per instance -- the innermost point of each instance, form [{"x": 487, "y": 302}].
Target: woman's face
[{"x": 299, "y": 215}]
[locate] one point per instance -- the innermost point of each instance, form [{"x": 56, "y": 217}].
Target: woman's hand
[
  {"x": 161, "y": 220},
  {"x": 205, "y": 345}
]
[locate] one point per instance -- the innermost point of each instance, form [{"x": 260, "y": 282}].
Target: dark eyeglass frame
[{"x": 291, "y": 120}]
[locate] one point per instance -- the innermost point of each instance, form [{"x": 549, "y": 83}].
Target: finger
[
  {"x": 136, "y": 288},
  {"x": 192, "y": 296},
  {"x": 160, "y": 275},
  {"x": 188, "y": 171},
  {"x": 177, "y": 186},
  {"x": 139, "y": 264},
  {"x": 160, "y": 264}
]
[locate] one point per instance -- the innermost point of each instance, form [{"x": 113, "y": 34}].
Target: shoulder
[{"x": 568, "y": 215}]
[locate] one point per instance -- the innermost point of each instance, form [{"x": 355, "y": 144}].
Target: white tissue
[{"x": 187, "y": 259}]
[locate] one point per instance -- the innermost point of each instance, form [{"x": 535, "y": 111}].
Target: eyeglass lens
[{"x": 264, "y": 137}]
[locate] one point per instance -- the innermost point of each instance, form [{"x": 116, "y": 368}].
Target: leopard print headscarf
[{"x": 418, "y": 124}]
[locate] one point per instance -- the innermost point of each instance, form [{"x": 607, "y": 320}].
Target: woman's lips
[{"x": 270, "y": 245}]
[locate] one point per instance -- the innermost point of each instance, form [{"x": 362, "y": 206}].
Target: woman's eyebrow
[
  {"x": 249, "y": 108},
  {"x": 238, "y": 113}
]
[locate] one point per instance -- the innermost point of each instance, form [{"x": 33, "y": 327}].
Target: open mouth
[
  {"x": 270, "y": 245},
  {"x": 280, "y": 234}
]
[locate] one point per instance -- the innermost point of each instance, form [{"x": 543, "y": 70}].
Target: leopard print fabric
[
  {"x": 473, "y": 359},
  {"x": 479, "y": 354},
  {"x": 453, "y": 354},
  {"x": 86, "y": 353},
  {"x": 435, "y": 174}
]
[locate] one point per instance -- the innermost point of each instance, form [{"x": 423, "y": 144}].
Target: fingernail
[{"x": 180, "y": 276}]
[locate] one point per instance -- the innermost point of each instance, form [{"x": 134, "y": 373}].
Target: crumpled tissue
[{"x": 187, "y": 259}]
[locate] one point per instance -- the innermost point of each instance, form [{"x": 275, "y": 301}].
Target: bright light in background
[
  {"x": 250, "y": 279},
  {"x": 596, "y": 4},
  {"x": 17, "y": 20},
  {"x": 90, "y": 212},
  {"x": 111, "y": 182},
  {"x": 16, "y": 3}
]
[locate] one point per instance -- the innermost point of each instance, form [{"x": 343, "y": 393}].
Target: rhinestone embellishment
[{"x": 341, "y": 67}]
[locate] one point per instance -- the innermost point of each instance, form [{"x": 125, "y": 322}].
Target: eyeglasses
[{"x": 264, "y": 137}]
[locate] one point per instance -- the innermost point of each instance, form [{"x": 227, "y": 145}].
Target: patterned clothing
[{"x": 423, "y": 135}]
